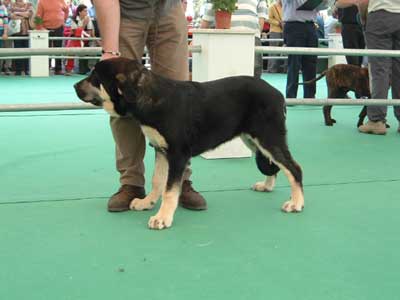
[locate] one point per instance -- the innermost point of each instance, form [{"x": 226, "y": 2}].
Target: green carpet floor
[{"x": 58, "y": 242}]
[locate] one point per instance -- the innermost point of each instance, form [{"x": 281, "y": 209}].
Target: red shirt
[{"x": 53, "y": 12}]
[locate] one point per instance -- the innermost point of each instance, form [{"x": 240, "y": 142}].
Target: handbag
[{"x": 14, "y": 26}]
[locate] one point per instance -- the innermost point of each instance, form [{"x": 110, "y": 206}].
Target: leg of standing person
[
  {"x": 396, "y": 69},
  {"x": 167, "y": 43},
  {"x": 309, "y": 62},
  {"x": 258, "y": 60},
  {"x": 59, "y": 32},
  {"x": 353, "y": 38},
  {"x": 294, "y": 34},
  {"x": 273, "y": 64},
  {"x": 168, "y": 47},
  {"x": 129, "y": 139},
  {"x": 21, "y": 65},
  {"x": 379, "y": 36},
  {"x": 8, "y": 62}
]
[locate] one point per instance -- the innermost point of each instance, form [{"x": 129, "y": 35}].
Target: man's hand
[{"x": 85, "y": 21}]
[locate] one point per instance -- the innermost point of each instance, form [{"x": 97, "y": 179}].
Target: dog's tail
[{"x": 315, "y": 79}]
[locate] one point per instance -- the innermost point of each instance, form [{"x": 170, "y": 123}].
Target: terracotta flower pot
[{"x": 222, "y": 20}]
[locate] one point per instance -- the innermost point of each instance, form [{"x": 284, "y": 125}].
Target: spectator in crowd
[
  {"x": 54, "y": 13},
  {"x": 68, "y": 20},
  {"x": 250, "y": 14},
  {"x": 128, "y": 26},
  {"x": 81, "y": 27},
  {"x": 352, "y": 32},
  {"x": 330, "y": 22},
  {"x": 275, "y": 19},
  {"x": 320, "y": 26},
  {"x": 299, "y": 31},
  {"x": 3, "y": 25},
  {"x": 5, "y": 64},
  {"x": 21, "y": 11},
  {"x": 382, "y": 32},
  {"x": 92, "y": 15}
]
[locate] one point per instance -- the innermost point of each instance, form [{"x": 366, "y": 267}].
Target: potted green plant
[
  {"x": 38, "y": 21},
  {"x": 223, "y": 12}
]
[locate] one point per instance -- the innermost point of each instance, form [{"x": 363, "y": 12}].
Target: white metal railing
[
  {"x": 326, "y": 51},
  {"x": 291, "y": 101}
]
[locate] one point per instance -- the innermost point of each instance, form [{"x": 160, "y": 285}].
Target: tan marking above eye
[{"x": 121, "y": 77}]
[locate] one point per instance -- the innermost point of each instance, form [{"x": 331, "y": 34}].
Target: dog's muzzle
[{"x": 86, "y": 96}]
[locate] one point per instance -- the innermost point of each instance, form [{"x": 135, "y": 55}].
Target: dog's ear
[{"x": 134, "y": 86}]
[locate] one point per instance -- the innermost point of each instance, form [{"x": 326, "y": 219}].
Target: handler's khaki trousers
[{"x": 167, "y": 43}]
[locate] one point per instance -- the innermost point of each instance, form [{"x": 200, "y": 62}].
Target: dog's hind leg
[
  {"x": 361, "y": 116},
  {"x": 158, "y": 184},
  {"x": 268, "y": 168},
  {"x": 281, "y": 157},
  {"x": 327, "y": 115},
  {"x": 265, "y": 165},
  {"x": 165, "y": 215}
]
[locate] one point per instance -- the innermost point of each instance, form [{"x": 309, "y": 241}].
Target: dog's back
[{"x": 345, "y": 77}]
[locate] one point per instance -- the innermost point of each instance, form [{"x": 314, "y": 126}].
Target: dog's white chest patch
[
  {"x": 107, "y": 103},
  {"x": 155, "y": 138}
]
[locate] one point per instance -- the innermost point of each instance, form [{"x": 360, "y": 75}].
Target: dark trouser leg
[
  {"x": 21, "y": 64},
  {"x": 300, "y": 35},
  {"x": 353, "y": 38},
  {"x": 59, "y": 32},
  {"x": 379, "y": 36},
  {"x": 273, "y": 64},
  {"x": 258, "y": 60},
  {"x": 309, "y": 62}
]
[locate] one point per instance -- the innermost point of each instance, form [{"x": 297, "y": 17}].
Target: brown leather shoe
[
  {"x": 120, "y": 200},
  {"x": 190, "y": 199}
]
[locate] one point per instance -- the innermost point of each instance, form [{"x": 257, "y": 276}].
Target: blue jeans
[{"x": 300, "y": 34}]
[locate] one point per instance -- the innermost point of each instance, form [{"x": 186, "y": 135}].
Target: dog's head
[{"x": 115, "y": 84}]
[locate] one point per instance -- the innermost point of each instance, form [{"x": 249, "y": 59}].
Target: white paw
[
  {"x": 160, "y": 221},
  {"x": 261, "y": 186},
  {"x": 141, "y": 204},
  {"x": 291, "y": 206}
]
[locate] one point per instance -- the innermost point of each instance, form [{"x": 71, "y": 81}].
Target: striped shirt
[
  {"x": 3, "y": 17},
  {"x": 291, "y": 14},
  {"x": 246, "y": 16}
]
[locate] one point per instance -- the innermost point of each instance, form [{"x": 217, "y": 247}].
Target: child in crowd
[{"x": 81, "y": 26}]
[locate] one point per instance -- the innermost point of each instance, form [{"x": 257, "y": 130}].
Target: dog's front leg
[
  {"x": 158, "y": 184},
  {"x": 164, "y": 217}
]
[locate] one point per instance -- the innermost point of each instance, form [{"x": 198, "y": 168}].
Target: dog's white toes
[
  {"x": 160, "y": 222},
  {"x": 262, "y": 187},
  {"x": 291, "y": 206},
  {"x": 141, "y": 204}
]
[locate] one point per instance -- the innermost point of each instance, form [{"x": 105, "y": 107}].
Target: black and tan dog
[
  {"x": 182, "y": 119},
  {"x": 341, "y": 79}
]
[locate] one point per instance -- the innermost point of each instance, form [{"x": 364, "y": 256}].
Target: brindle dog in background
[{"x": 341, "y": 79}]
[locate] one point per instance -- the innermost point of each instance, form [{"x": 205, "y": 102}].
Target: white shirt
[{"x": 388, "y": 5}]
